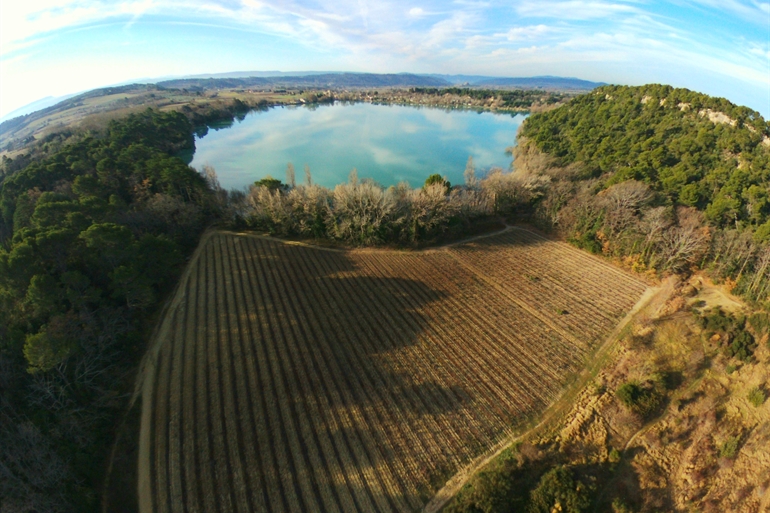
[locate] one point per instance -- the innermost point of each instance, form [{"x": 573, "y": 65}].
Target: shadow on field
[
  {"x": 359, "y": 326},
  {"x": 363, "y": 327},
  {"x": 316, "y": 374}
]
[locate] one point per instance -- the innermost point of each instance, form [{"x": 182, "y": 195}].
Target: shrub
[
  {"x": 558, "y": 491},
  {"x": 628, "y": 393},
  {"x": 741, "y": 346},
  {"x": 718, "y": 321},
  {"x": 643, "y": 399},
  {"x": 739, "y": 343},
  {"x": 757, "y": 396},
  {"x": 760, "y": 322},
  {"x": 730, "y": 447}
]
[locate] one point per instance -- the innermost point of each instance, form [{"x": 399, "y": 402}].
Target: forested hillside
[
  {"x": 698, "y": 150},
  {"x": 666, "y": 177},
  {"x": 92, "y": 238}
]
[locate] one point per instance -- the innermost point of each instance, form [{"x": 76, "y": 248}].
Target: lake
[{"x": 387, "y": 143}]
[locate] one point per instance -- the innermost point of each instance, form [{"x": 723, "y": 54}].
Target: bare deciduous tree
[
  {"x": 359, "y": 211},
  {"x": 686, "y": 243},
  {"x": 622, "y": 202},
  {"x": 32, "y": 475},
  {"x": 470, "y": 174},
  {"x": 291, "y": 179}
]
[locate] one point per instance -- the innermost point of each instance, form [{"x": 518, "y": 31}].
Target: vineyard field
[{"x": 285, "y": 377}]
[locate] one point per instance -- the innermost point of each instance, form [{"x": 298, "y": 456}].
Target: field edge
[{"x": 145, "y": 380}]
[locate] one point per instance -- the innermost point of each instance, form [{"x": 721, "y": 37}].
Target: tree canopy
[
  {"x": 91, "y": 238},
  {"x": 697, "y": 150}
]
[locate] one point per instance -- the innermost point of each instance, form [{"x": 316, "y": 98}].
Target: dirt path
[
  {"x": 554, "y": 412},
  {"x": 366, "y": 250},
  {"x": 145, "y": 381}
]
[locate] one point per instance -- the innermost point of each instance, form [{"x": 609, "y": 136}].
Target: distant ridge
[
  {"x": 68, "y": 103},
  {"x": 35, "y": 106},
  {"x": 317, "y": 79},
  {"x": 330, "y": 80},
  {"x": 292, "y": 79},
  {"x": 545, "y": 82}
]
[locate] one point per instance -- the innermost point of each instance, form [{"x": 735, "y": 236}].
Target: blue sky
[{"x": 58, "y": 47}]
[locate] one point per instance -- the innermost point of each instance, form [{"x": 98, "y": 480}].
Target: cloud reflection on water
[{"x": 386, "y": 143}]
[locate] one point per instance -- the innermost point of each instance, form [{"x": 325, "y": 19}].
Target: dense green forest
[
  {"x": 697, "y": 150},
  {"x": 92, "y": 237}
]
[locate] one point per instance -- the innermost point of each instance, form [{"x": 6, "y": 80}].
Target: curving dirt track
[{"x": 286, "y": 377}]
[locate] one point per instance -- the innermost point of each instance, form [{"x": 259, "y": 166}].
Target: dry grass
[{"x": 708, "y": 449}]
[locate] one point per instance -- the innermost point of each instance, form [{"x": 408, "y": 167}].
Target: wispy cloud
[
  {"x": 597, "y": 39},
  {"x": 574, "y": 9},
  {"x": 752, "y": 10},
  {"x": 528, "y": 32}
]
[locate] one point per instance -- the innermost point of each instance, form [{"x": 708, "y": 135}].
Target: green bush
[
  {"x": 757, "y": 396},
  {"x": 628, "y": 393},
  {"x": 741, "y": 346},
  {"x": 730, "y": 447},
  {"x": 643, "y": 399},
  {"x": 717, "y": 321},
  {"x": 270, "y": 183},
  {"x": 559, "y": 491},
  {"x": 738, "y": 342}
]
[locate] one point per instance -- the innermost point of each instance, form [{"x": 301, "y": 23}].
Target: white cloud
[
  {"x": 593, "y": 39},
  {"x": 529, "y": 32}
]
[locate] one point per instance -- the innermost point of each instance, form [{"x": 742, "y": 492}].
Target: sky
[{"x": 60, "y": 47}]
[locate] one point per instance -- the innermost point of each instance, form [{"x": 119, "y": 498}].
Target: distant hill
[
  {"x": 69, "y": 102},
  {"x": 324, "y": 80},
  {"x": 318, "y": 79},
  {"x": 542, "y": 82},
  {"x": 545, "y": 82},
  {"x": 35, "y": 106}
]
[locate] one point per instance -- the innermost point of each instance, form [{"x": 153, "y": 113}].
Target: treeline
[
  {"x": 518, "y": 98},
  {"x": 362, "y": 212},
  {"x": 91, "y": 239},
  {"x": 665, "y": 179},
  {"x": 202, "y": 115}
]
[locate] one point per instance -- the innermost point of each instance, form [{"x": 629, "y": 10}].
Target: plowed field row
[{"x": 293, "y": 378}]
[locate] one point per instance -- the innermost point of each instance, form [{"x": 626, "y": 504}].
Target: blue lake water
[{"x": 387, "y": 143}]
